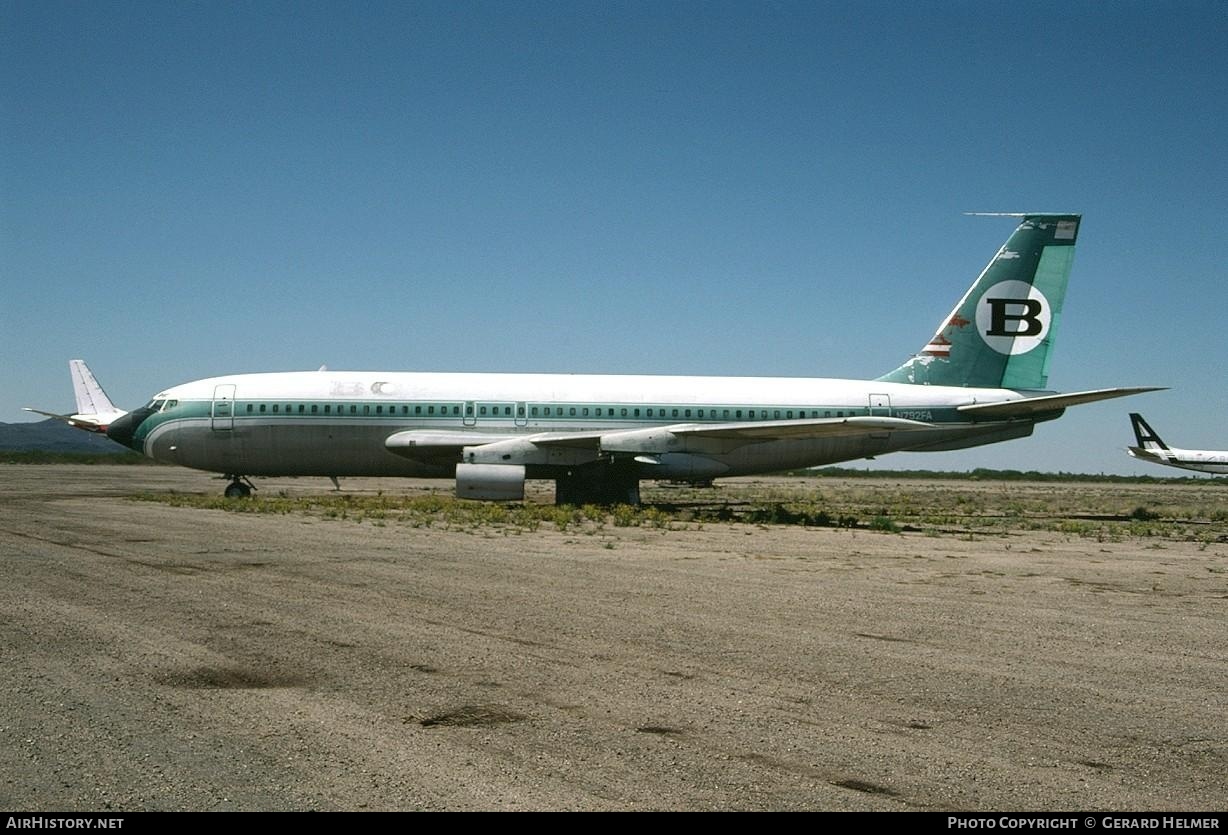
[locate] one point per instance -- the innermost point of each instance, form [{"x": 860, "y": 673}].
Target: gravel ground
[{"x": 170, "y": 658}]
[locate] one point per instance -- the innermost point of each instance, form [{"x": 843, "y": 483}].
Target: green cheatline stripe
[{"x": 551, "y": 413}]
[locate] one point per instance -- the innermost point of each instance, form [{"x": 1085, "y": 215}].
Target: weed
[{"x": 884, "y": 523}]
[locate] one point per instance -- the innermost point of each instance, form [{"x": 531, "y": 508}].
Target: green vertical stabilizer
[{"x": 1001, "y": 333}]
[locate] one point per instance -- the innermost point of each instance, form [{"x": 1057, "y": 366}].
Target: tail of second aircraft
[
  {"x": 95, "y": 411},
  {"x": 1147, "y": 438},
  {"x": 1000, "y": 335}
]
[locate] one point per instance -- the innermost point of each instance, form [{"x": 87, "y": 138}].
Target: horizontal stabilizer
[
  {"x": 88, "y": 422},
  {"x": 1146, "y": 455},
  {"x": 1029, "y": 406}
]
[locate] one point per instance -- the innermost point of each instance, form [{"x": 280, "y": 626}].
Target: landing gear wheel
[{"x": 238, "y": 490}]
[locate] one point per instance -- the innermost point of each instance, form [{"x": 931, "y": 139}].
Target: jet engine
[{"x": 490, "y": 482}]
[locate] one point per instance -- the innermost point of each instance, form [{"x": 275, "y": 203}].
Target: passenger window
[
  {"x": 430, "y": 410},
  {"x": 314, "y": 408},
  {"x": 624, "y": 414},
  {"x": 249, "y": 408},
  {"x": 637, "y": 412},
  {"x": 586, "y": 411},
  {"x": 274, "y": 408},
  {"x": 675, "y": 413},
  {"x": 534, "y": 411},
  {"x": 262, "y": 408},
  {"x": 573, "y": 411},
  {"x": 300, "y": 408}
]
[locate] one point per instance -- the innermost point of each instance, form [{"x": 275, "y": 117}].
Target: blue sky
[{"x": 191, "y": 189}]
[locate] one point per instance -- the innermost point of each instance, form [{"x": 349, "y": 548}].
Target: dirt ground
[{"x": 159, "y": 657}]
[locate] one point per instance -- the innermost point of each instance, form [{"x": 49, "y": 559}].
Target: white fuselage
[
  {"x": 336, "y": 423},
  {"x": 1199, "y": 460}
]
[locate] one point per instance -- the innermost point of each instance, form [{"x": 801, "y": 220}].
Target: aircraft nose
[{"x": 123, "y": 429}]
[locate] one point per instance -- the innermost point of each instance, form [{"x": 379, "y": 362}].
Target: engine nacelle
[{"x": 490, "y": 482}]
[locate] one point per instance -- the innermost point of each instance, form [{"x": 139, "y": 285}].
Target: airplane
[
  {"x": 1151, "y": 448},
  {"x": 980, "y": 379}
]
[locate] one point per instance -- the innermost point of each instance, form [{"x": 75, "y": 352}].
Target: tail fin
[
  {"x": 91, "y": 399},
  {"x": 1146, "y": 436},
  {"x": 1000, "y": 335}
]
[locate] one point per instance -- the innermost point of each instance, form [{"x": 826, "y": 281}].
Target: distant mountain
[{"x": 53, "y": 435}]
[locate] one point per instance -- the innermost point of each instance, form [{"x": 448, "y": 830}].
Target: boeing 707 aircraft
[
  {"x": 1151, "y": 448},
  {"x": 978, "y": 380}
]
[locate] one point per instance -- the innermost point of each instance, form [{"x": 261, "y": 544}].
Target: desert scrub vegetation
[
  {"x": 432, "y": 510},
  {"x": 1101, "y": 511}
]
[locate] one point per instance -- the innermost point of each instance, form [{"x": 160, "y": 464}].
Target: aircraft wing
[
  {"x": 759, "y": 430},
  {"x": 1049, "y": 402},
  {"x": 426, "y": 443}
]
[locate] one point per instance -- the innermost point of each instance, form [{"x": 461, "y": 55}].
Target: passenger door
[{"x": 223, "y": 407}]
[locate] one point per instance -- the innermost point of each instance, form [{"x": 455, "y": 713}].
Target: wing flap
[{"x": 799, "y": 429}]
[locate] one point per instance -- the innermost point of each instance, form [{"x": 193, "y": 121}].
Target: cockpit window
[{"x": 156, "y": 405}]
